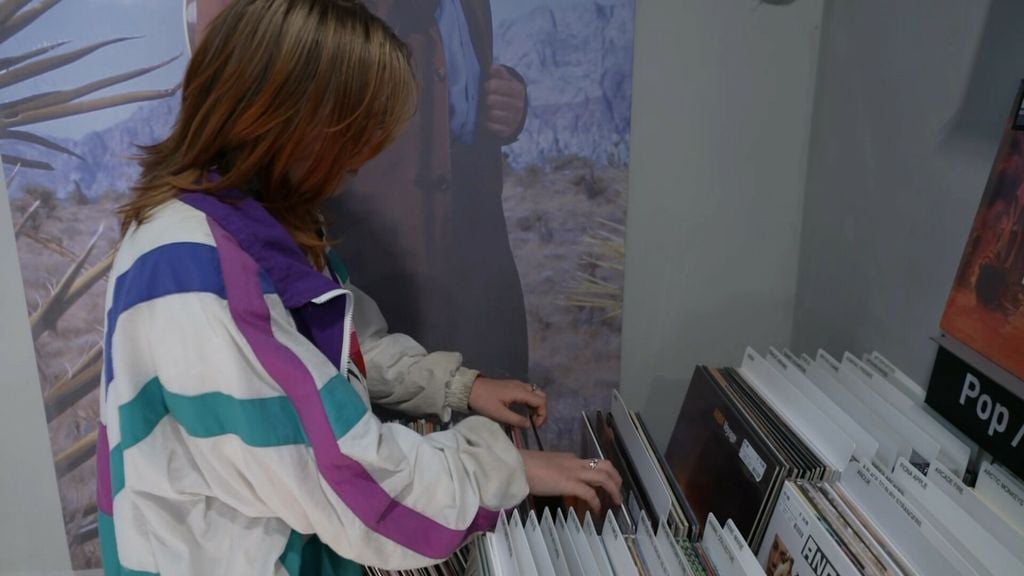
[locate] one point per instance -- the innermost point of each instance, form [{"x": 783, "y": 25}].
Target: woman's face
[{"x": 780, "y": 563}]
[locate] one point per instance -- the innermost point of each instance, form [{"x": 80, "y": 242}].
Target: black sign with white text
[{"x": 983, "y": 409}]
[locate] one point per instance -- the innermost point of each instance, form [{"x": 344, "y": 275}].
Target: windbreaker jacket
[{"x": 236, "y": 433}]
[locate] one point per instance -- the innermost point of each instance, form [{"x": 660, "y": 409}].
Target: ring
[
  {"x": 533, "y": 387},
  {"x": 593, "y": 463}
]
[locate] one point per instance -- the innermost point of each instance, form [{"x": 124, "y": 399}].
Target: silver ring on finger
[
  {"x": 594, "y": 463},
  {"x": 533, "y": 387}
]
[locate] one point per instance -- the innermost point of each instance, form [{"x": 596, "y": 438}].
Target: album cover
[
  {"x": 719, "y": 459},
  {"x": 985, "y": 309},
  {"x": 789, "y": 453},
  {"x": 797, "y": 544}
]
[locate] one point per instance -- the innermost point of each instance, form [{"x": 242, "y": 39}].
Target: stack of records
[
  {"x": 837, "y": 467},
  {"x": 653, "y": 533},
  {"x": 740, "y": 435},
  {"x": 559, "y": 543},
  {"x": 821, "y": 466}
]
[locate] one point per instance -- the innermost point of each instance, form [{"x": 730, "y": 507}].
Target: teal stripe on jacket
[{"x": 259, "y": 422}]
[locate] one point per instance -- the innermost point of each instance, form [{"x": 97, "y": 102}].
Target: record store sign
[{"x": 986, "y": 411}]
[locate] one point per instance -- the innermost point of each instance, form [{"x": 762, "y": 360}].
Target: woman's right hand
[{"x": 563, "y": 474}]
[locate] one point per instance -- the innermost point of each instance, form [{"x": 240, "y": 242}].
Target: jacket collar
[{"x": 295, "y": 280}]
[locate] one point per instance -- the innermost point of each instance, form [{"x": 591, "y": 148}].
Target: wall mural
[{"x": 516, "y": 163}]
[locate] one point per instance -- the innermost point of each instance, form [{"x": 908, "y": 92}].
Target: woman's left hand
[{"x": 495, "y": 398}]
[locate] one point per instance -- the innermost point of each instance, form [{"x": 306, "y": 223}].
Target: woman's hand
[
  {"x": 563, "y": 474},
  {"x": 494, "y": 399}
]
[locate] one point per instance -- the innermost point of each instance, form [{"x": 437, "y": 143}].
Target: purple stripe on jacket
[{"x": 351, "y": 482}]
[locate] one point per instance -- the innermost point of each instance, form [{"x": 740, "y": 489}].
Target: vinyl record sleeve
[{"x": 721, "y": 462}]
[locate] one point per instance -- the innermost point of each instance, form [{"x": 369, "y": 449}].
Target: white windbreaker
[{"x": 236, "y": 436}]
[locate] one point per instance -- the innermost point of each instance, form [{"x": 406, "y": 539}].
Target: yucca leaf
[
  {"x": 83, "y": 511},
  {"x": 50, "y": 244},
  {"x": 20, "y": 162},
  {"x": 22, "y": 18},
  {"x": 88, "y": 532},
  {"x": 34, "y": 68},
  {"x": 8, "y": 8},
  {"x": 46, "y": 316},
  {"x": 6, "y": 63},
  {"x": 25, "y": 219},
  {"x": 82, "y": 380},
  {"x": 79, "y": 453},
  {"x": 89, "y": 279},
  {"x": 47, "y": 99},
  {"x": 38, "y": 141},
  {"x": 75, "y": 108}
]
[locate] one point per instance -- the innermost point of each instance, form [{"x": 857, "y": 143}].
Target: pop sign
[{"x": 983, "y": 409}]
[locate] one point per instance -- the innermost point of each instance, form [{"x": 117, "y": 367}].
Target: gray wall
[
  {"x": 722, "y": 103},
  {"x": 909, "y": 108},
  {"x": 31, "y": 525}
]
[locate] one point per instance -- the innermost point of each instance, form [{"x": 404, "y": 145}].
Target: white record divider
[
  {"x": 911, "y": 389},
  {"x": 899, "y": 521},
  {"x": 744, "y": 555},
  {"x": 952, "y": 451},
  {"x": 917, "y": 490},
  {"x": 597, "y": 546},
  {"x": 925, "y": 446},
  {"x": 898, "y": 378},
  {"x": 554, "y": 545},
  {"x": 968, "y": 501},
  {"x": 833, "y": 445},
  {"x": 1003, "y": 492},
  {"x": 618, "y": 552},
  {"x": 865, "y": 446},
  {"x": 657, "y": 564},
  {"x": 503, "y": 543},
  {"x": 582, "y": 545},
  {"x": 539, "y": 549},
  {"x": 718, "y": 549},
  {"x": 677, "y": 565},
  {"x": 521, "y": 547},
  {"x": 645, "y": 466},
  {"x": 576, "y": 565},
  {"x": 891, "y": 444}
]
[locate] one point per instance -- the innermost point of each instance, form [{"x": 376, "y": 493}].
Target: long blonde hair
[{"x": 284, "y": 97}]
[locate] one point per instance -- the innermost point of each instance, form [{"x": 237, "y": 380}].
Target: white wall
[
  {"x": 910, "y": 105},
  {"x": 722, "y": 103},
  {"x": 32, "y": 537}
]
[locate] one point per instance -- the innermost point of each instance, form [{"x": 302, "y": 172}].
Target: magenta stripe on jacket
[
  {"x": 356, "y": 488},
  {"x": 104, "y": 490}
]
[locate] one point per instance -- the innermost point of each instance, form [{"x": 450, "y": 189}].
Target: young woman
[{"x": 237, "y": 436}]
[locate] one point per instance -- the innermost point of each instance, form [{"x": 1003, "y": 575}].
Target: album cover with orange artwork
[{"x": 985, "y": 309}]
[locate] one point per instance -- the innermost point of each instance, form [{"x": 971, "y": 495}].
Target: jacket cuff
[{"x": 456, "y": 394}]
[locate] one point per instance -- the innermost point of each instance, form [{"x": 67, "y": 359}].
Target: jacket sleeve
[
  {"x": 401, "y": 375},
  {"x": 305, "y": 448}
]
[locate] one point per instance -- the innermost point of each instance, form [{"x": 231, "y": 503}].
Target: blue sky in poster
[
  {"x": 160, "y": 23},
  {"x": 161, "y": 27},
  {"x": 505, "y": 9}
]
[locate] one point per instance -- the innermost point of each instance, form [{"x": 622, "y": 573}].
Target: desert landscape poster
[{"x": 98, "y": 78}]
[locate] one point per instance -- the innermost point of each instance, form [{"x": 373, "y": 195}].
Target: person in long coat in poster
[{"x": 422, "y": 226}]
